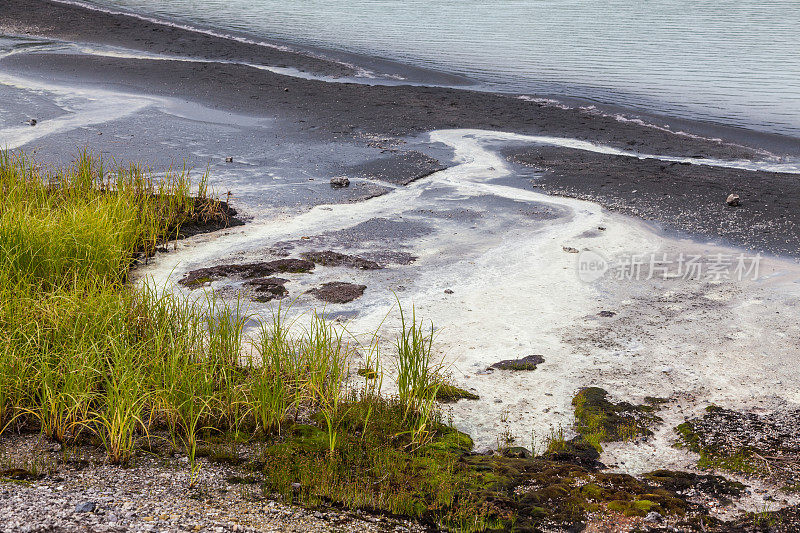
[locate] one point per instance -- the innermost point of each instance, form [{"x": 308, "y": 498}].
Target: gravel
[{"x": 150, "y": 495}]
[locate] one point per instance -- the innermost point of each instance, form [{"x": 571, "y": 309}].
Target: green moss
[
  {"x": 644, "y": 505},
  {"x": 450, "y": 393},
  {"x": 739, "y": 461},
  {"x": 599, "y": 420},
  {"x": 442, "y": 482},
  {"x": 374, "y": 467},
  {"x": 592, "y": 491}
]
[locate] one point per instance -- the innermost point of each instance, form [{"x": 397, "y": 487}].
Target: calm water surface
[{"x": 736, "y": 62}]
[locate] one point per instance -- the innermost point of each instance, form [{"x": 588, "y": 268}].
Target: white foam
[
  {"x": 516, "y": 292},
  {"x": 84, "y": 107},
  {"x": 360, "y": 72}
]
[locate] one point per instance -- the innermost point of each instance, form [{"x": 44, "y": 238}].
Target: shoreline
[
  {"x": 352, "y": 113},
  {"x": 471, "y": 205},
  {"x": 375, "y": 69}
]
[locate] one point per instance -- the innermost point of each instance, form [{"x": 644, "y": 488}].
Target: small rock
[
  {"x": 733, "y": 200},
  {"x": 296, "y": 487},
  {"x": 448, "y": 291},
  {"x": 286, "y": 89},
  {"x": 570, "y": 249},
  {"x": 85, "y": 507},
  {"x": 33, "y": 122},
  {"x": 653, "y": 517},
  {"x": 606, "y": 314},
  {"x": 528, "y": 362},
  {"x": 229, "y": 160},
  {"x": 56, "y": 447},
  {"x": 340, "y": 182}
]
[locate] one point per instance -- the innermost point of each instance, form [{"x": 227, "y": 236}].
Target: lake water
[{"x": 736, "y": 62}]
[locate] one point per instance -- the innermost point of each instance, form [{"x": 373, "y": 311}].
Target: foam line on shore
[
  {"x": 92, "y": 106},
  {"x": 576, "y": 144},
  {"x": 84, "y": 107},
  {"x": 471, "y": 177},
  {"x": 360, "y": 72}
]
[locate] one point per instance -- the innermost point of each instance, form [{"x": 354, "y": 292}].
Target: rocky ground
[
  {"x": 44, "y": 488},
  {"x": 47, "y": 487}
]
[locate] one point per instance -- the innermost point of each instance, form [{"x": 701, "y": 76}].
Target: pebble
[
  {"x": 85, "y": 507},
  {"x": 340, "y": 182},
  {"x": 733, "y": 200}
]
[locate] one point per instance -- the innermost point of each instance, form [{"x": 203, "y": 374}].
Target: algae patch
[{"x": 599, "y": 420}]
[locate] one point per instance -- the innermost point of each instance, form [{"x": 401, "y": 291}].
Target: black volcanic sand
[
  {"x": 682, "y": 197},
  {"x": 688, "y": 198},
  {"x": 399, "y": 168}
]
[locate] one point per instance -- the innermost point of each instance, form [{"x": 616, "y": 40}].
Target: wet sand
[{"x": 684, "y": 198}]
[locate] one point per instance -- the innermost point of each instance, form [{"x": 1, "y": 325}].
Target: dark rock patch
[
  {"x": 268, "y": 289},
  {"x": 687, "y": 482},
  {"x": 761, "y": 445},
  {"x": 400, "y": 168},
  {"x": 86, "y": 507},
  {"x": 528, "y": 362},
  {"x": 574, "y": 451},
  {"x": 330, "y": 258},
  {"x": 340, "y": 182},
  {"x": 687, "y": 198},
  {"x": 262, "y": 269},
  {"x": 517, "y": 452},
  {"x": 606, "y": 314},
  {"x": 338, "y": 292}
]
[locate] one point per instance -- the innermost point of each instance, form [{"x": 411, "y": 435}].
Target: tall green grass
[{"x": 85, "y": 357}]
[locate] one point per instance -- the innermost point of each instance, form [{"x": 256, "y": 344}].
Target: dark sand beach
[{"x": 671, "y": 195}]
